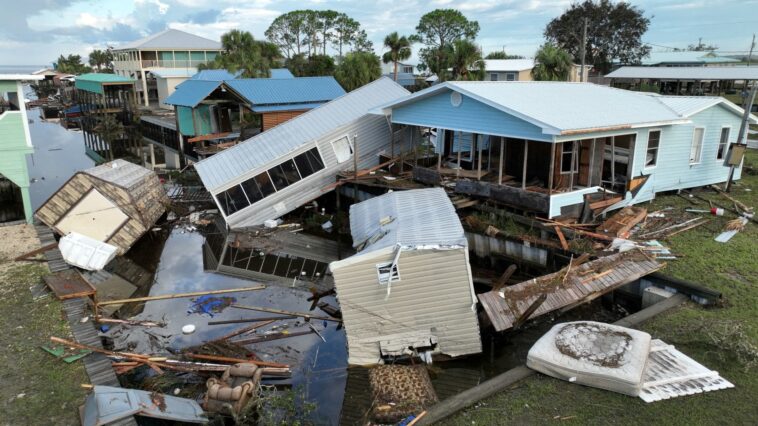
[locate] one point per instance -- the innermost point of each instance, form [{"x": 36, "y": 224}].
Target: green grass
[
  {"x": 723, "y": 338},
  {"x": 37, "y": 389}
]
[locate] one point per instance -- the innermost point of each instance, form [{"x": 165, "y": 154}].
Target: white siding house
[
  {"x": 408, "y": 289},
  {"x": 283, "y": 168}
]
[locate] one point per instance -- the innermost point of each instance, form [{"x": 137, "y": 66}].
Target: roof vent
[{"x": 456, "y": 99}]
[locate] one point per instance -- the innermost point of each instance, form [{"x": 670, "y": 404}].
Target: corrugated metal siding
[
  {"x": 287, "y": 90},
  {"x": 186, "y": 121},
  {"x": 239, "y": 162},
  {"x": 420, "y": 217},
  {"x": 471, "y": 116},
  {"x": 281, "y": 73},
  {"x": 373, "y": 139},
  {"x": 433, "y": 294}
]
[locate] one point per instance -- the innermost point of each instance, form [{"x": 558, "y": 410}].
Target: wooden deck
[{"x": 583, "y": 284}]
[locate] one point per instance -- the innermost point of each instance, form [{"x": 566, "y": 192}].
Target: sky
[{"x": 37, "y": 31}]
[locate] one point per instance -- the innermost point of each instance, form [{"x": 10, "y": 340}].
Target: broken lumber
[
  {"x": 230, "y": 360},
  {"x": 35, "y": 252},
  {"x": 602, "y": 204},
  {"x": 283, "y": 312},
  {"x": 129, "y": 322},
  {"x": 694, "y": 225},
  {"x": 564, "y": 244},
  {"x": 179, "y": 295},
  {"x": 127, "y": 355},
  {"x": 529, "y": 311},
  {"x": 237, "y": 321},
  {"x": 242, "y": 330},
  {"x": 500, "y": 283},
  {"x": 270, "y": 337},
  {"x": 551, "y": 223}
]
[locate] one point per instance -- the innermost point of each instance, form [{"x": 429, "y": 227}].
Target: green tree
[
  {"x": 361, "y": 43},
  {"x": 101, "y": 59},
  {"x": 614, "y": 32},
  {"x": 345, "y": 31},
  {"x": 110, "y": 130},
  {"x": 287, "y": 32},
  {"x": 552, "y": 64},
  {"x": 241, "y": 52},
  {"x": 500, "y": 54},
  {"x": 316, "y": 65},
  {"x": 71, "y": 64},
  {"x": 466, "y": 61},
  {"x": 358, "y": 69},
  {"x": 399, "y": 50},
  {"x": 315, "y": 30},
  {"x": 437, "y": 30}
]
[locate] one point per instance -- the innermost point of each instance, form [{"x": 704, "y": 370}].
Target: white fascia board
[{"x": 463, "y": 129}]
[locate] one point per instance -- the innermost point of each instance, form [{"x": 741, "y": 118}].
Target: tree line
[{"x": 327, "y": 42}]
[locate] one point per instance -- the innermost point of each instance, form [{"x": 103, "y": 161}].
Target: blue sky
[{"x": 37, "y": 31}]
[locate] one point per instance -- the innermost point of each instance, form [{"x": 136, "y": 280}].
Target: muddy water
[
  {"x": 58, "y": 154},
  {"x": 318, "y": 367}
]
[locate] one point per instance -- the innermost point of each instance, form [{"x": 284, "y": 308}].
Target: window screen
[
  {"x": 697, "y": 145},
  {"x": 723, "y": 142},
  {"x": 653, "y": 141},
  {"x": 232, "y": 200},
  {"x": 252, "y": 191},
  {"x": 278, "y": 177},
  {"x": 264, "y": 184},
  {"x": 290, "y": 171},
  {"x": 309, "y": 162}
]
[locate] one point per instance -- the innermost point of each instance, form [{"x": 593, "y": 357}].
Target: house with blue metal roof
[
  {"x": 563, "y": 149},
  {"x": 214, "y": 113}
]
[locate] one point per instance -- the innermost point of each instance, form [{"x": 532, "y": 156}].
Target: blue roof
[
  {"x": 286, "y": 107},
  {"x": 216, "y": 75},
  {"x": 268, "y": 91},
  {"x": 192, "y": 92},
  {"x": 281, "y": 73}
]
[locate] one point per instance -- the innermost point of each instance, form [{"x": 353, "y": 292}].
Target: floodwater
[{"x": 58, "y": 154}]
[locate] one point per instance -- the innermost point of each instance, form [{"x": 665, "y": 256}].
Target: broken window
[
  {"x": 385, "y": 271},
  {"x": 290, "y": 171},
  {"x": 569, "y": 151},
  {"x": 723, "y": 142},
  {"x": 232, "y": 200},
  {"x": 696, "y": 149},
  {"x": 278, "y": 177},
  {"x": 342, "y": 149},
  {"x": 252, "y": 191},
  {"x": 653, "y": 140},
  {"x": 264, "y": 184}
]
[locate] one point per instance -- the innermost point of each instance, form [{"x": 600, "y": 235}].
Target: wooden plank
[
  {"x": 564, "y": 244},
  {"x": 68, "y": 285}
]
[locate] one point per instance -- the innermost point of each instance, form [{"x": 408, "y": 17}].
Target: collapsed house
[
  {"x": 554, "y": 148},
  {"x": 114, "y": 203},
  {"x": 283, "y": 168},
  {"x": 409, "y": 288}
]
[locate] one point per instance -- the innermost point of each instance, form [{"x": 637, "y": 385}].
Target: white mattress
[{"x": 593, "y": 354}]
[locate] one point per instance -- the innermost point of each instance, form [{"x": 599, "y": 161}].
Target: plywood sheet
[
  {"x": 94, "y": 216},
  {"x": 69, "y": 285}
]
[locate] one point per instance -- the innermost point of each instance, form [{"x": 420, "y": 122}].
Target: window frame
[
  {"x": 726, "y": 143},
  {"x": 575, "y": 146},
  {"x": 511, "y": 76},
  {"x": 394, "y": 272},
  {"x": 495, "y": 75},
  {"x": 349, "y": 144},
  {"x": 657, "y": 149},
  {"x": 700, "y": 151}
]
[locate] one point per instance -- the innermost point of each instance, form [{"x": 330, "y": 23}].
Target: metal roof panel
[
  {"x": 287, "y": 90},
  {"x": 192, "y": 92}
]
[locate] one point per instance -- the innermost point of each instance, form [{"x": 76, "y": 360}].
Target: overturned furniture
[
  {"x": 285, "y": 167},
  {"x": 409, "y": 289},
  {"x": 620, "y": 359},
  {"x": 114, "y": 203},
  {"x": 236, "y": 389}
]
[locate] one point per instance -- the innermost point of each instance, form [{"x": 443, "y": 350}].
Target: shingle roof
[
  {"x": 261, "y": 149},
  {"x": 192, "y": 92},
  {"x": 172, "y": 39},
  {"x": 288, "y": 90},
  {"x": 687, "y": 73},
  {"x": 416, "y": 217}
]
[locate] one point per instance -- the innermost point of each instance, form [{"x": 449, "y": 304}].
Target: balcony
[{"x": 168, "y": 63}]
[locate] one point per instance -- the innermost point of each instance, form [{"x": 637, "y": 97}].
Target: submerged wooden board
[
  {"x": 69, "y": 285},
  {"x": 585, "y": 283}
]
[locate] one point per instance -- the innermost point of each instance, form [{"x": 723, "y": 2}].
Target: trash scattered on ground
[
  {"x": 67, "y": 356},
  {"x": 620, "y": 359},
  {"x": 234, "y": 391},
  {"x": 211, "y": 304},
  {"x": 731, "y": 229},
  {"x": 107, "y": 404}
]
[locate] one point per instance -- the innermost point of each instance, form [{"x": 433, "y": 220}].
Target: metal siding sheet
[
  {"x": 186, "y": 121},
  {"x": 432, "y": 282},
  {"x": 287, "y": 90},
  {"x": 238, "y": 162}
]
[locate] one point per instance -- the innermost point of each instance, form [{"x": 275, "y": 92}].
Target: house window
[
  {"x": 386, "y": 270},
  {"x": 696, "y": 149},
  {"x": 342, "y": 149},
  {"x": 723, "y": 142},
  {"x": 493, "y": 76},
  {"x": 568, "y": 150},
  {"x": 510, "y": 76},
  {"x": 653, "y": 142},
  {"x": 309, "y": 162},
  {"x": 408, "y": 69},
  {"x": 233, "y": 199}
]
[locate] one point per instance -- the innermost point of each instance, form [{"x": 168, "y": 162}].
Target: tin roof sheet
[
  {"x": 192, "y": 92},
  {"x": 287, "y": 90},
  {"x": 119, "y": 172},
  {"x": 687, "y": 73}
]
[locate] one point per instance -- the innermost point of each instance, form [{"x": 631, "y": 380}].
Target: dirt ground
[{"x": 37, "y": 388}]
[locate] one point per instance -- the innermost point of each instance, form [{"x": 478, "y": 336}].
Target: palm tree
[
  {"x": 357, "y": 69},
  {"x": 552, "y": 64},
  {"x": 110, "y": 130},
  {"x": 466, "y": 61},
  {"x": 399, "y": 49}
]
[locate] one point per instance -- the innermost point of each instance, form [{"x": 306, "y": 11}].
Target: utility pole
[
  {"x": 750, "y": 55},
  {"x": 583, "y": 50},
  {"x": 743, "y": 129}
]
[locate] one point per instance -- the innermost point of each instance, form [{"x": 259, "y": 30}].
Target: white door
[{"x": 94, "y": 216}]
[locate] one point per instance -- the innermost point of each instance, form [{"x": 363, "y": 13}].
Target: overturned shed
[
  {"x": 409, "y": 288},
  {"x": 115, "y": 203},
  {"x": 282, "y": 168}
]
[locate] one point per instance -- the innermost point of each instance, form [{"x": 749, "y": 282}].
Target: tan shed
[
  {"x": 408, "y": 290},
  {"x": 115, "y": 203}
]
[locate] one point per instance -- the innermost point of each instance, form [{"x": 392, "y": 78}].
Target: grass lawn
[
  {"x": 37, "y": 389},
  {"x": 723, "y": 338}
]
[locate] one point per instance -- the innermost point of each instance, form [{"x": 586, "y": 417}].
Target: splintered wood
[
  {"x": 622, "y": 222},
  {"x": 566, "y": 288}
]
